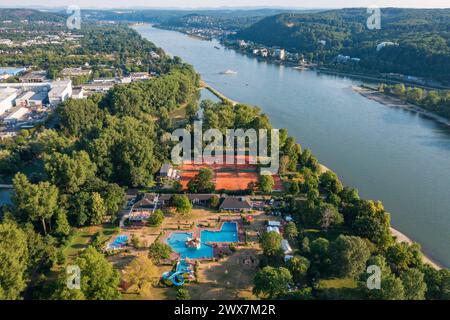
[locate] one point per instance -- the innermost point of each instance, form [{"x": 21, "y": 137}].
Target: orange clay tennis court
[{"x": 231, "y": 177}]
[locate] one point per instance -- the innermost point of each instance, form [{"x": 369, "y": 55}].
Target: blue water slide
[{"x": 176, "y": 277}]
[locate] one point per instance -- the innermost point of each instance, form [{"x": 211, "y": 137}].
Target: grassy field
[
  {"x": 337, "y": 283},
  {"x": 83, "y": 237}
]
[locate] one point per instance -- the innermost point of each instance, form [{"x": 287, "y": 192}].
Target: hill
[{"x": 422, "y": 38}]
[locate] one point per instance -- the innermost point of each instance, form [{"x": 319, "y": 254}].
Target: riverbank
[
  {"x": 400, "y": 237},
  {"x": 397, "y": 103}
]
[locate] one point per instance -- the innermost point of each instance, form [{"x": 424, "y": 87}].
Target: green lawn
[
  {"x": 337, "y": 283},
  {"x": 83, "y": 237}
]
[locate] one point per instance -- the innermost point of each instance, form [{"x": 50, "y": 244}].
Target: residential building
[{"x": 136, "y": 76}]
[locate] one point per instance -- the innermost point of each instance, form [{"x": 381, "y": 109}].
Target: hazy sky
[{"x": 228, "y": 3}]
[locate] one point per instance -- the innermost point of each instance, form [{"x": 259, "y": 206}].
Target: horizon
[{"x": 223, "y": 5}]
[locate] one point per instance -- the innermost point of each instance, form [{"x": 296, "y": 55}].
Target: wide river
[{"x": 388, "y": 154}]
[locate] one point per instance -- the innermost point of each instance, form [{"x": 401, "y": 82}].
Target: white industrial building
[
  {"x": 23, "y": 99},
  {"x": 7, "y": 97},
  {"x": 16, "y": 114},
  {"x": 60, "y": 92}
]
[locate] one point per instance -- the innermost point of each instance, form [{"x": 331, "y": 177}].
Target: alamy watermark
[
  {"x": 374, "y": 20},
  {"x": 229, "y": 147},
  {"x": 74, "y": 19},
  {"x": 374, "y": 280},
  {"x": 73, "y": 280}
]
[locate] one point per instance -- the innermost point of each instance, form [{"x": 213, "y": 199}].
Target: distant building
[
  {"x": 322, "y": 42},
  {"x": 235, "y": 204},
  {"x": 286, "y": 247},
  {"x": 78, "y": 93},
  {"x": 38, "y": 99},
  {"x": 7, "y": 96},
  {"x": 154, "y": 55},
  {"x": 136, "y": 76},
  {"x": 279, "y": 54},
  {"x": 200, "y": 199},
  {"x": 16, "y": 114},
  {"x": 75, "y": 72},
  {"x": 97, "y": 87},
  {"x": 34, "y": 77},
  {"x": 60, "y": 92},
  {"x": 6, "y": 72},
  {"x": 167, "y": 171},
  {"x": 148, "y": 202},
  {"x": 23, "y": 99},
  {"x": 385, "y": 44}
]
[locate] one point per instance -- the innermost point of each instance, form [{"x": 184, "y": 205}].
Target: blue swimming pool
[
  {"x": 177, "y": 240},
  {"x": 119, "y": 242}
]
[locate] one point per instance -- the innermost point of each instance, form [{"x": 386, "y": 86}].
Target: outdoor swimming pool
[
  {"x": 177, "y": 240},
  {"x": 118, "y": 242}
]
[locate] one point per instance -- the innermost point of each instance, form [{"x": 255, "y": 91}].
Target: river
[{"x": 388, "y": 154}]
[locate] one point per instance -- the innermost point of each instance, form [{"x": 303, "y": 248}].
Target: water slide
[{"x": 177, "y": 276}]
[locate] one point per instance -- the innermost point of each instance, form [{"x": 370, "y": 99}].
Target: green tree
[
  {"x": 438, "y": 283},
  {"x": 183, "y": 294},
  {"x": 319, "y": 256},
  {"x": 156, "y": 218},
  {"x": 291, "y": 231},
  {"x": 272, "y": 282},
  {"x": 140, "y": 275},
  {"x": 266, "y": 183},
  {"x": 35, "y": 202},
  {"x": 69, "y": 172},
  {"x": 298, "y": 266},
  {"x": 202, "y": 182},
  {"x": 158, "y": 251},
  {"x": 97, "y": 209},
  {"x": 372, "y": 222},
  {"x": 330, "y": 183},
  {"x": 414, "y": 284},
  {"x": 14, "y": 261},
  {"x": 349, "y": 255},
  {"x": 99, "y": 280},
  {"x": 271, "y": 243},
  {"x": 214, "y": 201},
  {"x": 62, "y": 228},
  {"x": 182, "y": 204}
]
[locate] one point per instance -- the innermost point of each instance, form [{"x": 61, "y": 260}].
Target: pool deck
[{"x": 218, "y": 247}]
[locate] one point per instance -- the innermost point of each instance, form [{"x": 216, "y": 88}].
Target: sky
[{"x": 227, "y": 3}]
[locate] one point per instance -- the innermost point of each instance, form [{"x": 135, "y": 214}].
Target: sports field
[{"x": 227, "y": 176}]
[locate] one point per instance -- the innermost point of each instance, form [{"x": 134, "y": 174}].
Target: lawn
[
  {"x": 83, "y": 237},
  {"x": 337, "y": 283}
]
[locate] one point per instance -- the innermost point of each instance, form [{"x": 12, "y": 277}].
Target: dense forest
[{"x": 421, "y": 37}]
